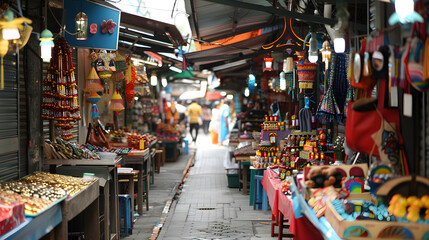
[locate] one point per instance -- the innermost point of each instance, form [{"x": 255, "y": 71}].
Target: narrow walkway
[{"x": 208, "y": 209}]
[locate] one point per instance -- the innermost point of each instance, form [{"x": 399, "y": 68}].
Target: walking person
[
  {"x": 224, "y": 122},
  {"x": 194, "y": 112},
  {"x": 206, "y": 119}
]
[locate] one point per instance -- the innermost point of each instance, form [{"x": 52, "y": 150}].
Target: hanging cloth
[
  {"x": 328, "y": 108},
  {"x": 305, "y": 116}
]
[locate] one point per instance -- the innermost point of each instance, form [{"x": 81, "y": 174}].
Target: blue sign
[{"x": 96, "y": 13}]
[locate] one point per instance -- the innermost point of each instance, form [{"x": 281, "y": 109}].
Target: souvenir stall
[{"x": 343, "y": 162}]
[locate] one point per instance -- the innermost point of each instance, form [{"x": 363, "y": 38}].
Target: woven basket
[{"x": 306, "y": 71}]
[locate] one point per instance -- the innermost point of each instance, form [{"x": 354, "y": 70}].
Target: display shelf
[
  {"x": 86, "y": 202},
  {"x": 37, "y": 227},
  {"x": 86, "y": 162}
]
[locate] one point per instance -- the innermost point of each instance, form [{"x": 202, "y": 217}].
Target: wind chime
[
  {"x": 92, "y": 86},
  {"x": 130, "y": 80},
  {"x": 60, "y": 100}
]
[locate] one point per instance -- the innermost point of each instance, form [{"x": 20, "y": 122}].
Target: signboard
[{"x": 96, "y": 12}]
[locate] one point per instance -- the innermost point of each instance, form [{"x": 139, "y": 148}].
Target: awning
[{"x": 143, "y": 34}]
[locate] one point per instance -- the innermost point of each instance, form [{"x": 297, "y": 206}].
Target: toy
[{"x": 315, "y": 178}]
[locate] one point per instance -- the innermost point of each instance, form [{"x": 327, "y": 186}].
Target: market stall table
[
  {"x": 84, "y": 202},
  {"x": 106, "y": 171},
  {"x": 243, "y": 173},
  {"x": 138, "y": 159},
  {"x": 271, "y": 183},
  {"x": 172, "y": 149},
  {"x": 37, "y": 227}
]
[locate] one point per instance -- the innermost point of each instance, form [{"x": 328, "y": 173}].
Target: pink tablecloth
[
  {"x": 301, "y": 227},
  {"x": 272, "y": 186}
]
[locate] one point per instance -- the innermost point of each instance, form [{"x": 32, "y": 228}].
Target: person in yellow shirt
[{"x": 194, "y": 112}]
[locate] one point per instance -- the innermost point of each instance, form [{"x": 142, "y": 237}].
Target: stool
[
  {"x": 253, "y": 172},
  {"x": 260, "y": 200},
  {"x": 159, "y": 158},
  {"x": 128, "y": 179},
  {"x": 186, "y": 150},
  {"x": 125, "y": 214}
]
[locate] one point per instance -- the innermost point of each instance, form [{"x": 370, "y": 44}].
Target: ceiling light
[
  {"x": 246, "y": 92},
  {"x": 339, "y": 45},
  {"x": 282, "y": 81},
  {"x": 229, "y": 97},
  {"x": 313, "y": 51},
  {"x": 153, "y": 79},
  {"x": 223, "y": 94},
  {"x": 46, "y": 45},
  {"x": 164, "y": 82}
]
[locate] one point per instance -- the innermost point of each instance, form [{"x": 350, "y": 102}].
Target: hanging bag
[
  {"x": 414, "y": 70},
  {"x": 96, "y": 136}
]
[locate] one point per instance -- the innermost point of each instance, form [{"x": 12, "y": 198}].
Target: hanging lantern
[
  {"x": 164, "y": 82},
  {"x": 93, "y": 83},
  {"x": 116, "y": 103},
  {"x": 268, "y": 63},
  {"x": 46, "y": 45},
  {"x": 10, "y": 31},
  {"x": 246, "y": 92},
  {"x": 404, "y": 13},
  {"x": 81, "y": 26},
  {"x": 326, "y": 53},
  {"x": 153, "y": 79},
  {"x": 117, "y": 77},
  {"x": 94, "y": 98}
]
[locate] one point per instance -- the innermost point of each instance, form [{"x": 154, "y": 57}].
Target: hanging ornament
[
  {"x": 94, "y": 98},
  {"x": 116, "y": 103},
  {"x": 92, "y": 82},
  {"x": 117, "y": 77},
  {"x": 60, "y": 98},
  {"x": 251, "y": 83},
  {"x": 130, "y": 83},
  {"x": 108, "y": 27},
  {"x": 120, "y": 62}
]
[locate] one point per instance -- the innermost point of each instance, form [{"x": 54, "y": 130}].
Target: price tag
[{"x": 141, "y": 144}]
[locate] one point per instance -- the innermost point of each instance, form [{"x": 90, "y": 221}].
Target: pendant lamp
[
  {"x": 116, "y": 103},
  {"x": 46, "y": 45},
  {"x": 268, "y": 63},
  {"x": 81, "y": 21},
  {"x": 93, "y": 83},
  {"x": 94, "y": 98}
]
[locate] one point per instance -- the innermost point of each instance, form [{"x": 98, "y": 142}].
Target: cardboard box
[{"x": 372, "y": 229}]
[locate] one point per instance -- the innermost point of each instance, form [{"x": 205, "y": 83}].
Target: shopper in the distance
[
  {"x": 224, "y": 122},
  {"x": 207, "y": 115},
  {"x": 194, "y": 113}
]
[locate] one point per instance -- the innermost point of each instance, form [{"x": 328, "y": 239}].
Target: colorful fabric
[{"x": 224, "y": 128}]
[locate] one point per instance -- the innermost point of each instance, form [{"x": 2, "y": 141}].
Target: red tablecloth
[
  {"x": 272, "y": 186},
  {"x": 286, "y": 208}
]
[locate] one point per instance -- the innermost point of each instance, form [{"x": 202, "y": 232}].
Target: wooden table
[
  {"x": 176, "y": 151},
  {"x": 86, "y": 202},
  {"x": 243, "y": 173},
  {"x": 106, "y": 171},
  {"x": 138, "y": 159}
]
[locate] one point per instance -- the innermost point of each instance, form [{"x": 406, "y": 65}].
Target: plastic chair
[
  {"x": 125, "y": 215},
  {"x": 260, "y": 199}
]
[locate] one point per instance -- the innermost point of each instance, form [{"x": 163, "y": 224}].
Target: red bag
[{"x": 364, "y": 121}]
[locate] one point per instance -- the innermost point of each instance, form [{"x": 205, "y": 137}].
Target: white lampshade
[
  {"x": 404, "y": 8},
  {"x": 46, "y": 51},
  {"x": 313, "y": 57},
  {"x": 339, "y": 45},
  {"x": 282, "y": 81},
  {"x": 10, "y": 33},
  {"x": 153, "y": 79},
  {"x": 164, "y": 82},
  {"x": 246, "y": 92}
]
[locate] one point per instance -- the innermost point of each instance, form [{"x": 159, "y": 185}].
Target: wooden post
[{"x": 33, "y": 84}]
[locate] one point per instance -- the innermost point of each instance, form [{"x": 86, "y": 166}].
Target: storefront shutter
[{"x": 9, "y": 121}]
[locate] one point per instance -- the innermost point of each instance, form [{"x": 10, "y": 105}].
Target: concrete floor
[{"x": 205, "y": 208}]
